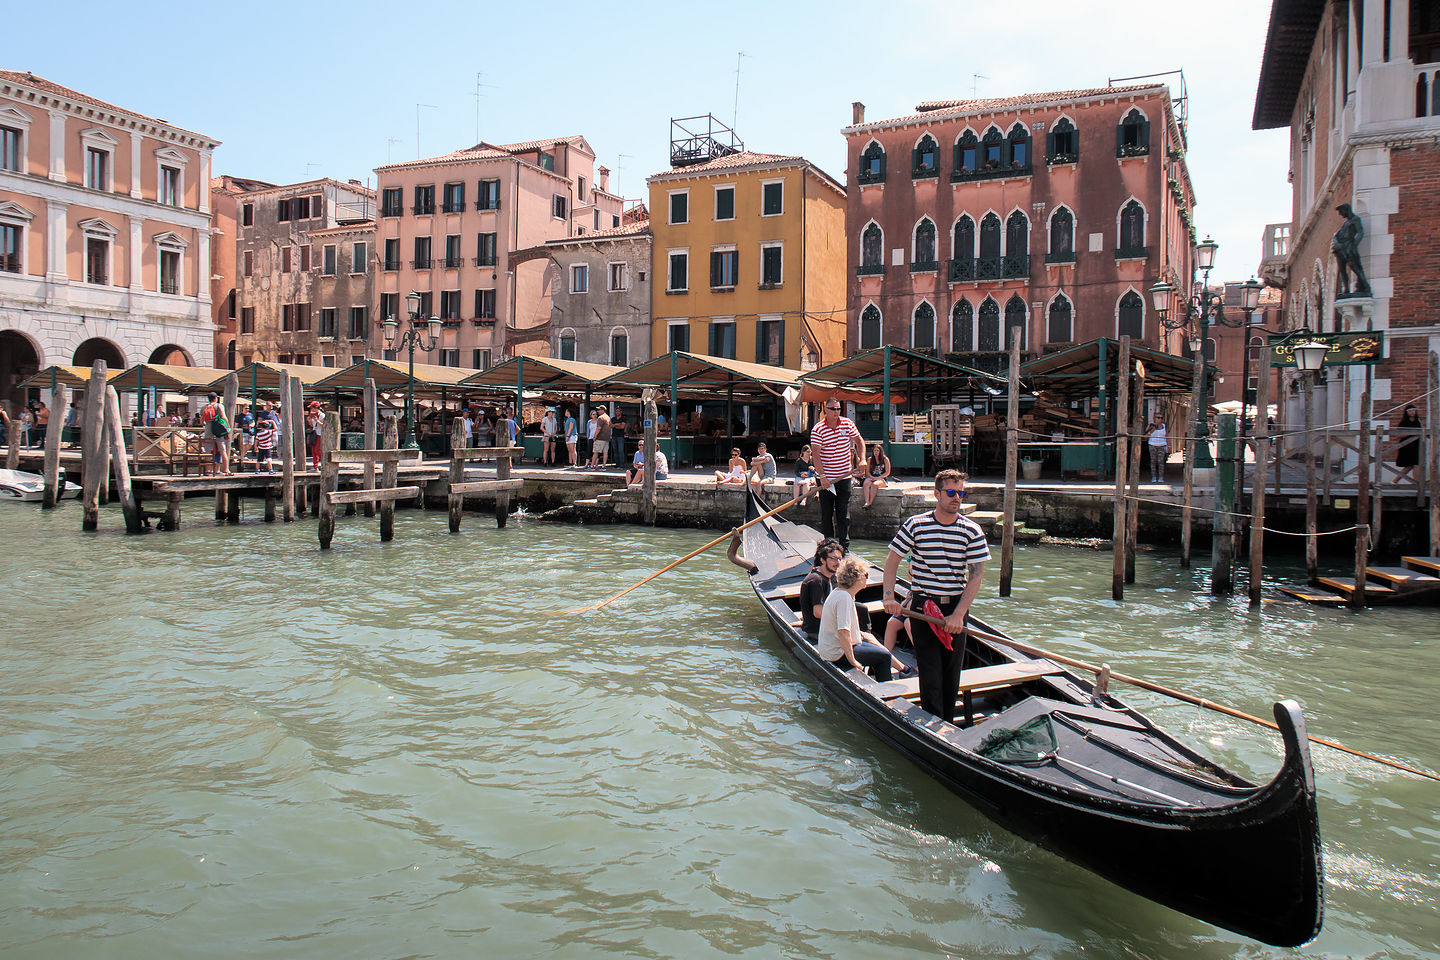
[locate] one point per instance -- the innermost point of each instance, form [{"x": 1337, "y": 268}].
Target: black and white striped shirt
[{"x": 940, "y": 554}]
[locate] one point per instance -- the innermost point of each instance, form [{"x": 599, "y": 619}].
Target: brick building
[
  {"x": 225, "y": 191},
  {"x": 1054, "y": 212},
  {"x": 305, "y": 256},
  {"x": 1359, "y": 87}
]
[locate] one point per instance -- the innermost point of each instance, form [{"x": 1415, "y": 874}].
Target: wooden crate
[{"x": 952, "y": 431}]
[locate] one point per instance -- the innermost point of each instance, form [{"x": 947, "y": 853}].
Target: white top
[
  {"x": 839, "y": 611},
  {"x": 547, "y": 426},
  {"x": 1158, "y": 438}
]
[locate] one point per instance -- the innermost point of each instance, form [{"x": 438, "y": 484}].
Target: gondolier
[
  {"x": 837, "y": 446},
  {"x": 947, "y": 554}
]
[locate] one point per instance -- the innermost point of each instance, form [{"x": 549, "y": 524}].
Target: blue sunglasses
[{"x": 957, "y": 494}]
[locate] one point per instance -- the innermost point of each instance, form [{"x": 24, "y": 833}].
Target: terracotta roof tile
[
  {"x": 638, "y": 229},
  {"x": 530, "y": 144},
  {"x": 930, "y": 109},
  {"x": 49, "y": 86},
  {"x": 744, "y": 158},
  {"x": 477, "y": 152}
]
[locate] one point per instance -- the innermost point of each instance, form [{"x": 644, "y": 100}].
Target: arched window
[
  {"x": 927, "y": 158},
  {"x": 872, "y": 164},
  {"x": 1132, "y": 230},
  {"x": 567, "y": 344},
  {"x": 1061, "y": 328},
  {"x": 1062, "y": 143},
  {"x": 962, "y": 327},
  {"x": 1019, "y": 147},
  {"x": 993, "y": 149},
  {"x": 1132, "y": 136},
  {"x": 989, "y": 327},
  {"x": 962, "y": 250},
  {"x": 967, "y": 154},
  {"x": 870, "y": 327},
  {"x": 230, "y": 355},
  {"x": 922, "y": 327},
  {"x": 872, "y": 250},
  {"x": 1015, "y": 319},
  {"x": 619, "y": 348},
  {"x": 924, "y": 255},
  {"x": 1131, "y": 322},
  {"x": 1062, "y": 236},
  {"x": 988, "y": 266},
  {"x": 1017, "y": 245}
]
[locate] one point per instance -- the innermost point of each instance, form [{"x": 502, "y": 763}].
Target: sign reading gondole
[{"x": 1345, "y": 348}]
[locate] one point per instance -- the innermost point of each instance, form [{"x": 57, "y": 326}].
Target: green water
[{"x": 223, "y": 743}]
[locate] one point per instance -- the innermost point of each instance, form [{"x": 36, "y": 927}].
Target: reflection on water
[{"x": 223, "y": 742}]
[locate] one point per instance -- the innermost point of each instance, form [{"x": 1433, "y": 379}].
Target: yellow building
[{"x": 749, "y": 261}]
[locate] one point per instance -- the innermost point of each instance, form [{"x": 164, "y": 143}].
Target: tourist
[
  {"x": 947, "y": 553},
  {"x": 841, "y": 642},
  {"x": 5, "y": 424},
  {"x": 42, "y": 422},
  {"x": 27, "y": 425},
  {"x": 247, "y": 437},
  {"x": 619, "y": 426},
  {"x": 817, "y": 585},
  {"x": 592, "y": 427},
  {"x": 636, "y": 473},
  {"x": 572, "y": 438},
  {"x": 511, "y": 430},
  {"x": 1407, "y": 455},
  {"x": 600, "y": 447},
  {"x": 877, "y": 474},
  {"x": 314, "y": 426},
  {"x": 216, "y": 434},
  {"x": 467, "y": 428},
  {"x": 267, "y": 428},
  {"x": 737, "y": 469},
  {"x": 484, "y": 429},
  {"x": 1159, "y": 445},
  {"x": 836, "y": 443},
  {"x": 547, "y": 436},
  {"x": 805, "y": 476},
  {"x": 762, "y": 469}
]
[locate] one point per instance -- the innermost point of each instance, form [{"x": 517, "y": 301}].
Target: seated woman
[
  {"x": 805, "y": 476},
  {"x": 762, "y": 469},
  {"x": 877, "y": 473},
  {"x": 841, "y": 642},
  {"x": 737, "y": 467}
]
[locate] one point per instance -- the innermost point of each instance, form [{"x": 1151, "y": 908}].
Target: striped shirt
[
  {"x": 265, "y": 435},
  {"x": 834, "y": 447},
  {"x": 940, "y": 555}
]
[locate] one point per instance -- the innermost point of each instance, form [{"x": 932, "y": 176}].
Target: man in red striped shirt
[{"x": 836, "y": 444}]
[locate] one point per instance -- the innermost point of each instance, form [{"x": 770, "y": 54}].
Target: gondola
[{"x": 1049, "y": 756}]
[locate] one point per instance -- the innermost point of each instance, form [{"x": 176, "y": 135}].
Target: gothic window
[
  {"x": 924, "y": 243},
  {"x": 872, "y": 164},
  {"x": 964, "y": 248},
  {"x": 1061, "y": 326},
  {"x": 1017, "y": 235},
  {"x": 1015, "y": 320},
  {"x": 922, "y": 327},
  {"x": 1062, "y": 236},
  {"x": 993, "y": 149},
  {"x": 927, "y": 158},
  {"x": 1062, "y": 143},
  {"x": 872, "y": 247},
  {"x": 989, "y": 329},
  {"x": 990, "y": 237},
  {"x": 1132, "y": 136},
  {"x": 1132, "y": 229},
  {"x": 967, "y": 153},
  {"x": 1019, "y": 146},
  {"x": 962, "y": 327},
  {"x": 1132, "y": 316},
  {"x": 870, "y": 327}
]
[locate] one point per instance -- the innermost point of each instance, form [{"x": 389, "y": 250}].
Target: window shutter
[
  {"x": 1119, "y": 138},
  {"x": 714, "y": 269},
  {"x": 714, "y": 340},
  {"x": 1050, "y": 144},
  {"x": 882, "y": 166},
  {"x": 1145, "y": 134}
]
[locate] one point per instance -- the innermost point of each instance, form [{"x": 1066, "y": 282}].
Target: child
[{"x": 265, "y": 430}]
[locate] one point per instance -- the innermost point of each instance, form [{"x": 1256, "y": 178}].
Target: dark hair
[
  {"x": 824, "y": 547},
  {"x": 949, "y": 476}
]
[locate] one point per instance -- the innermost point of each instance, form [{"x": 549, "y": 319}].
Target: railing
[
  {"x": 992, "y": 172},
  {"x": 452, "y": 207},
  {"x": 962, "y": 269},
  {"x": 1132, "y": 150},
  {"x": 1427, "y": 90},
  {"x": 924, "y": 173},
  {"x": 488, "y": 205},
  {"x": 170, "y": 286},
  {"x": 392, "y": 211},
  {"x": 1132, "y": 253},
  {"x": 99, "y": 277},
  {"x": 1067, "y": 256},
  {"x": 1017, "y": 265},
  {"x": 925, "y": 266},
  {"x": 454, "y": 263},
  {"x": 421, "y": 263},
  {"x": 1337, "y": 462},
  {"x": 392, "y": 264},
  {"x": 870, "y": 270},
  {"x": 484, "y": 261},
  {"x": 423, "y": 209},
  {"x": 1057, "y": 159},
  {"x": 864, "y": 177},
  {"x": 973, "y": 269}
]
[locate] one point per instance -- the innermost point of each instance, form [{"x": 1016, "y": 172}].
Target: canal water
[{"x": 224, "y": 743}]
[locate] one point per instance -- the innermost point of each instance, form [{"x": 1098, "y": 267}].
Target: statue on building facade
[{"x": 1346, "y": 244}]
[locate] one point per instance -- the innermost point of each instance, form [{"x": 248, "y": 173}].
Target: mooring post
[
  {"x": 1122, "y": 457},
  {"x": 1362, "y": 501},
  {"x": 1222, "y": 549},
  {"x": 1432, "y": 457},
  {"x": 269, "y": 504},
  {"x": 329, "y": 477},
  {"x": 1137, "y": 449},
  {"x": 1312, "y": 506},
  {"x": 227, "y": 503},
  {"x": 372, "y": 421},
  {"x": 284, "y": 449},
  {"x": 502, "y": 499},
  {"x": 92, "y": 446},
  {"x": 171, "y": 520},
  {"x": 12, "y": 447},
  {"x": 652, "y": 444},
  {"x": 389, "y": 473},
  {"x": 457, "y": 470},
  {"x": 297, "y": 439},
  {"x": 53, "y": 490},
  {"x": 115, "y": 431},
  {"x": 1257, "y": 486},
  {"x": 1012, "y": 457}
]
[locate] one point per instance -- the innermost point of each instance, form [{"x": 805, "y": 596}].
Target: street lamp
[
  {"x": 412, "y": 338},
  {"x": 1310, "y": 357}
]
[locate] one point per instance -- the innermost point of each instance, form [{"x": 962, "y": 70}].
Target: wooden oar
[
  {"x": 694, "y": 553},
  {"x": 1167, "y": 691}
]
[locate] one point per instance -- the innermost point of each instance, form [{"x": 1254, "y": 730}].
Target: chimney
[
  {"x": 857, "y": 113},
  {"x": 354, "y": 182},
  {"x": 605, "y": 179}
]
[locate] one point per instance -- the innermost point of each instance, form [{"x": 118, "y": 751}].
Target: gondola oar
[
  {"x": 694, "y": 553},
  {"x": 1167, "y": 691}
]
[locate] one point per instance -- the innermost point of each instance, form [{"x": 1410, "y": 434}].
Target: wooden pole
[
  {"x": 285, "y": 449},
  {"x": 502, "y": 499},
  {"x": 1257, "y": 485},
  {"x": 92, "y": 446},
  {"x": 652, "y": 444},
  {"x": 171, "y": 520},
  {"x": 1433, "y": 454},
  {"x": 297, "y": 440},
  {"x": 227, "y": 502},
  {"x": 1192, "y": 433},
  {"x": 389, "y": 473},
  {"x": 1362, "y": 500},
  {"x": 372, "y": 423},
  {"x": 1122, "y": 457},
  {"x": 1012, "y": 426},
  {"x": 53, "y": 490},
  {"x": 115, "y": 431},
  {"x": 1312, "y": 546},
  {"x": 12, "y": 445},
  {"x": 329, "y": 477},
  {"x": 457, "y": 470},
  {"x": 269, "y": 504},
  {"x": 1137, "y": 451},
  {"x": 1222, "y": 547}
]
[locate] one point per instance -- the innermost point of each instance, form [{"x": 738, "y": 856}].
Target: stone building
[
  {"x": 224, "y": 212},
  {"x": 1053, "y": 212},
  {"x": 1358, "y": 85},
  {"x": 290, "y": 309},
  {"x": 104, "y": 234}
]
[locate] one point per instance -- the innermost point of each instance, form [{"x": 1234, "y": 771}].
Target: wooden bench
[{"x": 972, "y": 681}]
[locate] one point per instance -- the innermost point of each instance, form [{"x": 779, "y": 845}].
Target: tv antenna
[
  {"x": 975, "y": 79},
  {"x": 478, "y": 95},
  {"x": 390, "y": 148},
  {"x": 620, "y": 170},
  {"x": 735, "y": 115}
]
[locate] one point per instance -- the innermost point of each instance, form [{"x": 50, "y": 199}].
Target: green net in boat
[{"x": 1031, "y": 742}]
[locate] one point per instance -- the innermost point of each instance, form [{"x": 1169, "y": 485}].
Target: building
[
  {"x": 1358, "y": 85},
  {"x": 305, "y": 291},
  {"x": 600, "y": 294},
  {"x": 104, "y": 234},
  {"x": 224, "y": 305},
  {"x": 749, "y": 259},
  {"x": 1055, "y": 211},
  {"x": 448, "y": 227},
  {"x": 1227, "y": 344}
]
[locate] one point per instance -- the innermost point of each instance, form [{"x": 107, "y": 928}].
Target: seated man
[
  {"x": 636, "y": 473},
  {"x": 816, "y": 586},
  {"x": 762, "y": 469}
]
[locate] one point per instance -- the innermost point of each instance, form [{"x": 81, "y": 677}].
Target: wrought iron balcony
[
  {"x": 454, "y": 263},
  {"x": 925, "y": 266},
  {"x": 924, "y": 173},
  {"x": 452, "y": 207},
  {"x": 1133, "y": 150},
  {"x": 421, "y": 263},
  {"x": 423, "y": 209},
  {"x": 484, "y": 261},
  {"x": 1058, "y": 159},
  {"x": 962, "y": 269},
  {"x": 976, "y": 269},
  {"x": 170, "y": 285},
  {"x": 1016, "y": 265},
  {"x": 392, "y": 265},
  {"x": 870, "y": 270},
  {"x": 1132, "y": 253},
  {"x": 395, "y": 210},
  {"x": 1065, "y": 256},
  {"x": 995, "y": 171},
  {"x": 866, "y": 177},
  {"x": 488, "y": 205}
]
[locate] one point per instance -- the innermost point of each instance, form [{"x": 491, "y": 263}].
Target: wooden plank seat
[
  {"x": 373, "y": 496},
  {"x": 486, "y": 486},
  {"x": 972, "y": 681}
]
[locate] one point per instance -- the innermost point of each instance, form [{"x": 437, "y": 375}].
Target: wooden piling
[
  {"x": 1137, "y": 451},
  {"x": 1012, "y": 426},
  {"x": 297, "y": 440},
  {"x": 115, "y": 432},
  {"x": 457, "y": 471},
  {"x": 389, "y": 473},
  {"x": 1122, "y": 457},
  {"x": 650, "y": 420},
  {"x": 1433, "y": 453},
  {"x": 12, "y": 448},
  {"x": 1192, "y": 447},
  {"x": 1222, "y": 544},
  {"x": 92, "y": 447},
  {"x": 1261, "y": 433},
  {"x": 1312, "y": 545},
  {"x": 1362, "y": 501},
  {"x": 284, "y": 448},
  {"x": 227, "y": 502},
  {"x": 372, "y": 421},
  {"x": 59, "y": 401},
  {"x": 171, "y": 520},
  {"x": 329, "y": 477},
  {"x": 502, "y": 499},
  {"x": 269, "y": 504}
]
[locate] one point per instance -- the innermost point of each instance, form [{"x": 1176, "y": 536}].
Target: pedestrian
[
  {"x": 216, "y": 434},
  {"x": 42, "y": 422},
  {"x": 247, "y": 436},
  {"x": 600, "y": 449},
  {"x": 548, "y": 427},
  {"x": 572, "y": 437},
  {"x": 947, "y": 553},
  {"x": 314, "y": 424},
  {"x": 267, "y": 427},
  {"x": 484, "y": 428},
  {"x": 837, "y": 445},
  {"x": 618, "y": 428},
  {"x": 1407, "y": 455},
  {"x": 1159, "y": 445},
  {"x": 467, "y": 427},
  {"x": 27, "y": 425},
  {"x": 592, "y": 427}
]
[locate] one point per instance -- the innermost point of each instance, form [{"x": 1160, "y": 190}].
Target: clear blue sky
[{"x": 300, "y": 90}]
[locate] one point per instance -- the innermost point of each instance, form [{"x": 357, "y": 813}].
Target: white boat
[{"x": 20, "y": 485}]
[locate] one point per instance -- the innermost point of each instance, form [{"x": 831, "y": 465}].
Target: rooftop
[
  {"x": 945, "y": 109},
  {"x": 49, "y": 86},
  {"x": 1293, "y": 24}
]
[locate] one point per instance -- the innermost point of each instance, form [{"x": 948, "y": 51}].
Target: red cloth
[{"x": 932, "y": 609}]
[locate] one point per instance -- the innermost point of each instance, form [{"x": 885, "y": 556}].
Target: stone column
[
  {"x": 201, "y": 269},
  {"x": 202, "y": 188},
  {"x": 57, "y": 233},
  {"x": 57, "y": 147},
  {"x": 137, "y": 260},
  {"x": 135, "y": 141}
]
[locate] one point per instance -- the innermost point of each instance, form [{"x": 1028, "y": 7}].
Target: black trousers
[
  {"x": 939, "y": 668},
  {"x": 835, "y": 512}
]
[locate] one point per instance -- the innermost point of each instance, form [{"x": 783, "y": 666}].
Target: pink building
[
  {"x": 448, "y": 225},
  {"x": 104, "y": 234}
]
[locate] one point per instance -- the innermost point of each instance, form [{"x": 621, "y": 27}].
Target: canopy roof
[
  {"x": 1075, "y": 373},
  {"x": 266, "y": 376},
  {"x": 72, "y": 377},
  {"x": 164, "y": 376},
  {"x": 907, "y": 368},
  {"x": 544, "y": 373},
  {"x": 390, "y": 374},
  {"x": 709, "y": 376}
]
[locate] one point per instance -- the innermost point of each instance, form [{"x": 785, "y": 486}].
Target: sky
[{"x": 301, "y": 90}]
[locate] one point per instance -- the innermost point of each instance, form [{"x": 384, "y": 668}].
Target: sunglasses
[
  {"x": 832, "y": 408},
  {"x": 956, "y": 494}
]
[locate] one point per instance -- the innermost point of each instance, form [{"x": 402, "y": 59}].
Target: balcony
[
  {"x": 421, "y": 263},
  {"x": 392, "y": 211},
  {"x": 870, "y": 270},
  {"x": 1132, "y": 150},
  {"x": 1275, "y": 253},
  {"x": 454, "y": 263},
  {"x": 924, "y": 173},
  {"x": 392, "y": 265},
  {"x": 423, "y": 209},
  {"x": 977, "y": 269},
  {"x": 487, "y": 204},
  {"x": 865, "y": 177},
  {"x": 484, "y": 261},
  {"x": 1132, "y": 253},
  {"x": 452, "y": 207},
  {"x": 925, "y": 266},
  {"x": 991, "y": 171},
  {"x": 169, "y": 285},
  {"x": 1066, "y": 256},
  {"x": 1060, "y": 159}
]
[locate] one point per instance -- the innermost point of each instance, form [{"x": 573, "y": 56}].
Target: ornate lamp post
[{"x": 412, "y": 338}]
